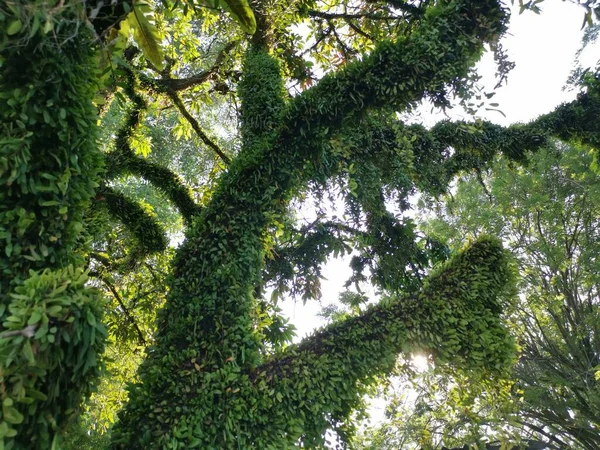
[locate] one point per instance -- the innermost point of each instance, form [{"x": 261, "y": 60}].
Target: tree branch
[
  {"x": 196, "y": 126},
  {"x": 358, "y": 30},
  {"x": 346, "y": 16},
  {"x": 166, "y": 181},
  {"x": 148, "y": 233},
  {"x": 123, "y": 160},
  {"x": 465, "y": 292},
  {"x": 167, "y": 84},
  {"x": 128, "y": 316}
]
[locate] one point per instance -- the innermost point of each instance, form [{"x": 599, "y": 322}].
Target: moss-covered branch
[
  {"x": 454, "y": 317},
  {"x": 123, "y": 161},
  {"x": 450, "y": 39},
  {"x": 162, "y": 178},
  {"x": 149, "y": 235}
]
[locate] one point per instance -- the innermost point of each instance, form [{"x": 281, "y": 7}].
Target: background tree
[
  {"x": 215, "y": 374},
  {"x": 546, "y": 213}
]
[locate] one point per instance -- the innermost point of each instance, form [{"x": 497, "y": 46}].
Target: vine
[{"x": 51, "y": 335}]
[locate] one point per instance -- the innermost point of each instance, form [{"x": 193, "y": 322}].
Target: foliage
[
  {"x": 49, "y": 354},
  {"x": 218, "y": 372},
  {"x": 547, "y": 214},
  {"x": 44, "y": 197},
  {"x": 225, "y": 244},
  {"x": 52, "y": 336}
]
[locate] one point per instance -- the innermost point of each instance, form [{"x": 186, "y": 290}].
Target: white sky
[{"x": 543, "y": 48}]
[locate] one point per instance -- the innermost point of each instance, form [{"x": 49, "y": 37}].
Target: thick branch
[
  {"x": 445, "y": 318},
  {"x": 397, "y": 74},
  {"x": 208, "y": 315},
  {"x": 150, "y": 236}
]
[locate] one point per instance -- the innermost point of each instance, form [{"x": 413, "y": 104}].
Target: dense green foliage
[
  {"x": 209, "y": 343},
  {"x": 52, "y": 336},
  {"x": 219, "y": 371},
  {"x": 547, "y": 214}
]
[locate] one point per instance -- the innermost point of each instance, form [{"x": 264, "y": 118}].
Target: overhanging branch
[
  {"x": 458, "y": 300},
  {"x": 166, "y": 83}
]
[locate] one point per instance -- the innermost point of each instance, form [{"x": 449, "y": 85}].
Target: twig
[
  {"x": 196, "y": 127},
  {"x": 126, "y": 311}
]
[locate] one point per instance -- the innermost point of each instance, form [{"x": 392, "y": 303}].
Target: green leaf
[
  {"x": 11, "y": 415},
  {"x": 35, "y": 317},
  {"x": 242, "y": 13},
  {"x": 28, "y": 352},
  {"x": 14, "y": 27},
  {"x": 146, "y": 35},
  {"x": 33, "y": 393},
  {"x": 90, "y": 318}
]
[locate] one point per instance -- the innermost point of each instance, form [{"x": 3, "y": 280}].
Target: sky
[{"x": 543, "y": 48}]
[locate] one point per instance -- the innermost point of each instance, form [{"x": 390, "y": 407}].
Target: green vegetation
[
  {"x": 201, "y": 141},
  {"x": 547, "y": 214}
]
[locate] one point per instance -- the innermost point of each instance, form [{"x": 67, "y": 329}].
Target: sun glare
[{"x": 419, "y": 362}]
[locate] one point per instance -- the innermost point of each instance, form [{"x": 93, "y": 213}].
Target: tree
[
  {"x": 546, "y": 213},
  {"x": 214, "y": 376}
]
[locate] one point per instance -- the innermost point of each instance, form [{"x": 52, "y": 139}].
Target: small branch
[
  {"x": 126, "y": 311},
  {"x": 358, "y": 30},
  {"x": 346, "y": 51},
  {"x": 196, "y": 127},
  {"x": 172, "y": 84},
  {"x": 345, "y": 16},
  {"x": 104, "y": 260},
  {"x": 27, "y": 332},
  {"x": 484, "y": 187},
  {"x": 320, "y": 39}
]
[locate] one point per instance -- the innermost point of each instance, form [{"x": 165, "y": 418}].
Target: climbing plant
[
  {"x": 52, "y": 336},
  {"x": 219, "y": 371}
]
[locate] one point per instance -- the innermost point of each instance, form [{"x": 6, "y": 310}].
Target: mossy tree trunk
[{"x": 206, "y": 383}]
